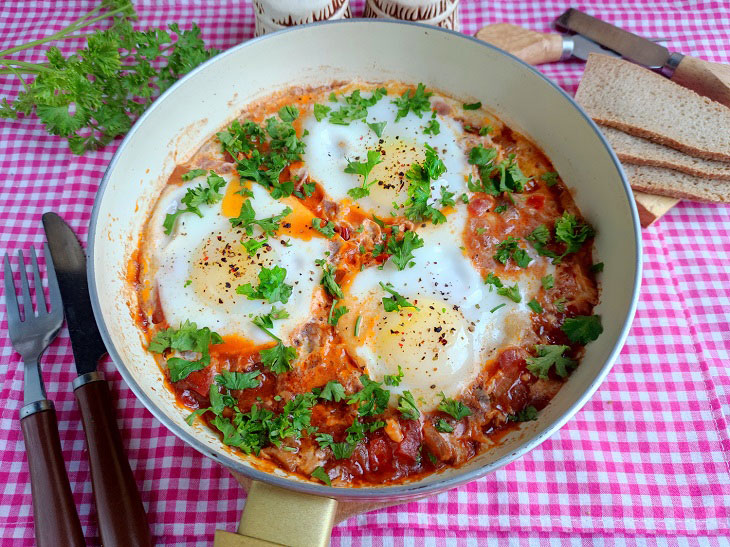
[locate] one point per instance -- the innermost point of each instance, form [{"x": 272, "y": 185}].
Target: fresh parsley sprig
[
  {"x": 413, "y": 100},
  {"x": 546, "y": 357},
  {"x": 363, "y": 169},
  {"x": 195, "y": 197},
  {"x": 395, "y": 302},
  {"x": 420, "y": 176},
  {"x": 246, "y": 219},
  {"x": 401, "y": 250},
  {"x": 186, "y": 338},
  {"x": 456, "y": 409},
  {"x": 271, "y": 286}
]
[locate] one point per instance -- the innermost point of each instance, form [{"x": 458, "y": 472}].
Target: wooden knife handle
[
  {"x": 709, "y": 79},
  {"x": 54, "y": 513},
  {"x": 122, "y": 518},
  {"x": 531, "y": 46}
]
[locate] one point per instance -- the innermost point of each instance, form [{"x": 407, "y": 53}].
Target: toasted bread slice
[
  {"x": 668, "y": 182},
  {"x": 640, "y": 102},
  {"x": 631, "y": 149}
]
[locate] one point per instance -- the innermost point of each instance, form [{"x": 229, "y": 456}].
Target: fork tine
[
  {"x": 40, "y": 297},
  {"x": 53, "y": 291},
  {"x": 11, "y": 301},
  {"x": 27, "y": 302}
]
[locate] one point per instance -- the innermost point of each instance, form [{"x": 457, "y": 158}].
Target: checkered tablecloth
[{"x": 646, "y": 460}]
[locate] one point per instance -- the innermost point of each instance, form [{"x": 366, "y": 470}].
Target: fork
[{"x": 54, "y": 512}]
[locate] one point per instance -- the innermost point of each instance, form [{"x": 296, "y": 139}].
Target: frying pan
[{"x": 283, "y": 508}]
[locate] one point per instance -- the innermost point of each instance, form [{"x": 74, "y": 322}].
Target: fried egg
[
  {"x": 458, "y": 323},
  {"x": 329, "y": 148},
  {"x": 202, "y": 262}
]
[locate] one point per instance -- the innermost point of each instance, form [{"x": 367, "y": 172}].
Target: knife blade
[
  {"x": 582, "y": 47},
  {"x": 628, "y": 45},
  {"x": 119, "y": 509},
  {"x": 69, "y": 261}
]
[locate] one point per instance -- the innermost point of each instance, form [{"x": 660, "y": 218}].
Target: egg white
[
  {"x": 402, "y": 143},
  {"x": 444, "y": 344},
  {"x": 199, "y": 266}
]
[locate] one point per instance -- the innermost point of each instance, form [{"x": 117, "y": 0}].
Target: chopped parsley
[
  {"x": 324, "y": 227},
  {"x": 472, "y": 106},
  {"x": 486, "y": 130},
  {"x": 355, "y": 107},
  {"x": 550, "y": 178},
  {"x": 495, "y": 178},
  {"x": 377, "y": 128},
  {"x": 394, "y": 302},
  {"x": 582, "y": 329},
  {"x": 187, "y": 338},
  {"x": 246, "y": 219},
  {"x": 420, "y": 176},
  {"x": 498, "y": 306},
  {"x": 336, "y": 313},
  {"x": 195, "y": 197},
  {"x": 278, "y": 358},
  {"x": 500, "y": 209},
  {"x": 548, "y": 282},
  {"x": 190, "y": 175},
  {"x": 447, "y": 198},
  {"x": 509, "y": 248},
  {"x": 535, "y": 306},
  {"x": 271, "y": 286},
  {"x": 443, "y": 426},
  {"x": 413, "y": 100},
  {"x": 513, "y": 293},
  {"x": 328, "y": 279},
  {"x": 407, "y": 406},
  {"x": 598, "y": 267},
  {"x": 363, "y": 169},
  {"x": 333, "y": 391},
  {"x": 456, "y": 409},
  {"x": 253, "y": 245},
  {"x": 401, "y": 250},
  {"x": 358, "y": 321},
  {"x": 464, "y": 198},
  {"x": 560, "y": 304},
  {"x": 527, "y": 414},
  {"x": 321, "y": 111},
  {"x": 546, "y": 357},
  {"x": 321, "y": 474},
  {"x": 568, "y": 230},
  {"x": 433, "y": 127},
  {"x": 266, "y": 321},
  {"x": 372, "y": 399},
  {"x": 238, "y": 380},
  {"x": 492, "y": 279},
  {"x": 393, "y": 379}
]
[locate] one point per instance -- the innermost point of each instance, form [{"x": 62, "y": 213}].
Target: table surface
[{"x": 646, "y": 460}]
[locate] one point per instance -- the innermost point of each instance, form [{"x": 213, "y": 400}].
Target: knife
[
  {"x": 709, "y": 79},
  {"x": 121, "y": 516}
]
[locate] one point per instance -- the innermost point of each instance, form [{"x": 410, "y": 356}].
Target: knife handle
[
  {"x": 531, "y": 46},
  {"x": 709, "y": 79},
  {"x": 122, "y": 518},
  {"x": 54, "y": 512}
]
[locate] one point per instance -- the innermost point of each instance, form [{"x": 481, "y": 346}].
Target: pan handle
[{"x": 276, "y": 516}]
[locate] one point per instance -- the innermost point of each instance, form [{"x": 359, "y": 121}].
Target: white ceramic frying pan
[{"x": 212, "y": 95}]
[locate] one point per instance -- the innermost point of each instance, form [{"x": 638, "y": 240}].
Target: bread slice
[
  {"x": 626, "y": 96},
  {"x": 668, "y": 182},
  {"x": 631, "y": 149}
]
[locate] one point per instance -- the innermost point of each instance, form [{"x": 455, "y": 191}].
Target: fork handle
[
  {"x": 122, "y": 518},
  {"x": 54, "y": 513}
]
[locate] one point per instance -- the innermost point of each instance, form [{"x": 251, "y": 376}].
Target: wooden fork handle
[
  {"x": 54, "y": 513},
  {"x": 121, "y": 515},
  {"x": 531, "y": 46}
]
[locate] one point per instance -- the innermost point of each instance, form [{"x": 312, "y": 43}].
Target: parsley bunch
[{"x": 95, "y": 95}]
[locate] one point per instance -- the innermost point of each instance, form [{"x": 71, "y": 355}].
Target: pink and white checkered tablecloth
[{"x": 647, "y": 459}]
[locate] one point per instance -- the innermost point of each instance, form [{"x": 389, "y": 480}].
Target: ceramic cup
[
  {"x": 273, "y": 15},
  {"x": 442, "y": 13}
]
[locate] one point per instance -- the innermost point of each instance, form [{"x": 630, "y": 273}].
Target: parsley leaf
[
  {"x": 194, "y": 197},
  {"x": 548, "y": 282},
  {"x": 278, "y": 358},
  {"x": 396, "y": 301},
  {"x": 560, "y": 304},
  {"x": 550, "y": 178},
  {"x": 324, "y": 227},
  {"x": 420, "y": 176},
  {"x": 363, "y": 169},
  {"x": 393, "y": 379},
  {"x": 572, "y": 232},
  {"x": 433, "y": 127},
  {"x": 187, "y": 338},
  {"x": 407, "y": 406},
  {"x": 336, "y": 313},
  {"x": 582, "y": 329},
  {"x": 535, "y": 306},
  {"x": 238, "y": 380},
  {"x": 527, "y": 414},
  {"x": 401, "y": 250},
  {"x": 377, "y": 127},
  {"x": 271, "y": 286},
  {"x": 443, "y": 426},
  {"x": 253, "y": 245},
  {"x": 472, "y": 106},
  {"x": 321, "y": 474},
  {"x": 328, "y": 279},
  {"x": 320, "y": 111},
  {"x": 267, "y": 321},
  {"x": 355, "y": 107},
  {"x": 190, "y": 175},
  {"x": 246, "y": 219},
  {"x": 340, "y": 451},
  {"x": 540, "y": 237},
  {"x": 509, "y": 248},
  {"x": 333, "y": 391},
  {"x": 598, "y": 267},
  {"x": 288, "y": 113},
  {"x": 547, "y": 356},
  {"x": 513, "y": 293},
  {"x": 492, "y": 279},
  {"x": 371, "y": 399},
  {"x": 415, "y": 101},
  {"x": 456, "y": 409}
]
